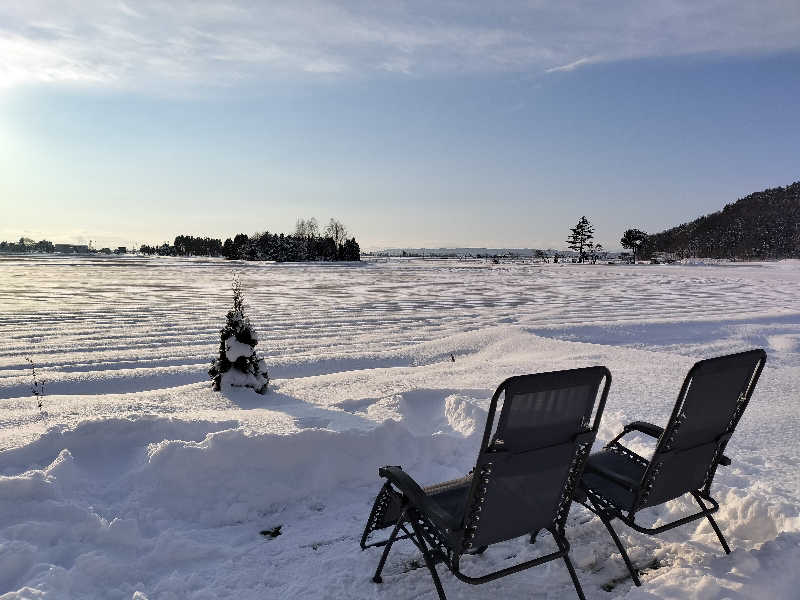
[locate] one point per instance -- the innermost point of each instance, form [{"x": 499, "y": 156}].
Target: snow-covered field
[{"x": 137, "y": 481}]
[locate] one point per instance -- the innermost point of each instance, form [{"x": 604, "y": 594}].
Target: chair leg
[
  {"x": 620, "y": 547},
  {"x": 570, "y": 568},
  {"x": 377, "y": 577},
  {"x": 711, "y": 520},
  {"x": 428, "y": 559}
]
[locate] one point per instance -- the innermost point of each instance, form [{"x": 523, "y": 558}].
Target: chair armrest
[
  {"x": 417, "y": 496},
  {"x": 626, "y": 482},
  {"x": 645, "y": 427}
]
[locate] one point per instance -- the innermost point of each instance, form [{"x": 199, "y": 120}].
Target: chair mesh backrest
[
  {"x": 526, "y": 473},
  {"x": 713, "y": 397}
]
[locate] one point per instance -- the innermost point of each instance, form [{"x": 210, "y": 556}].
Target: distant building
[
  {"x": 658, "y": 258},
  {"x": 72, "y": 248},
  {"x": 121, "y": 250}
]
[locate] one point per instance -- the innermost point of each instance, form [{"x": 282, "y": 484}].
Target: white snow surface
[{"x": 139, "y": 482}]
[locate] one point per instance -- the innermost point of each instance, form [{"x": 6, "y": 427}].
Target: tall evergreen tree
[
  {"x": 238, "y": 364},
  {"x": 580, "y": 237}
]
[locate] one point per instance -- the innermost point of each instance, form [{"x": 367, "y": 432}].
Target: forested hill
[{"x": 762, "y": 225}]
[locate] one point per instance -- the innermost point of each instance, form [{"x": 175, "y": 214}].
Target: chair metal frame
[
  {"x": 442, "y": 540},
  {"x": 608, "y": 510}
]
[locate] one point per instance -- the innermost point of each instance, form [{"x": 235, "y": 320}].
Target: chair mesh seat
[{"x": 620, "y": 464}]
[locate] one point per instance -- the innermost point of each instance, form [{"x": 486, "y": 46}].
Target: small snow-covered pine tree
[{"x": 238, "y": 364}]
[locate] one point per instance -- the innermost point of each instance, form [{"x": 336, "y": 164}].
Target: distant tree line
[
  {"x": 186, "y": 245},
  {"x": 763, "y": 225},
  {"x": 27, "y": 245},
  {"x": 305, "y": 244}
]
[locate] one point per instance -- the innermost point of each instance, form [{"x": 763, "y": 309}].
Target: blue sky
[{"x": 459, "y": 125}]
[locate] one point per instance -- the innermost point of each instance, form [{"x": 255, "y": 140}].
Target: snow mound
[
  {"x": 162, "y": 490},
  {"x": 428, "y": 411},
  {"x": 758, "y": 573},
  {"x": 233, "y": 475},
  {"x": 105, "y": 445}
]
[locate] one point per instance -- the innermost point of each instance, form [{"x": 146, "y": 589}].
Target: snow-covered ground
[{"x": 139, "y": 482}]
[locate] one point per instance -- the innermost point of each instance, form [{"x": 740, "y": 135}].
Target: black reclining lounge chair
[
  {"x": 617, "y": 482},
  {"x": 523, "y": 481}
]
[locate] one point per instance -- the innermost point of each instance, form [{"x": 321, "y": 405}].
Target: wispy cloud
[
  {"x": 574, "y": 64},
  {"x": 156, "y": 43}
]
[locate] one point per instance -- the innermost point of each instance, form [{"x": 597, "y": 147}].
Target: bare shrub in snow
[
  {"x": 37, "y": 387},
  {"x": 238, "y": 364}
]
